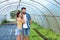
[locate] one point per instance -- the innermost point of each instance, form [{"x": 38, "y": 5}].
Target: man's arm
[{"x": 30, "y": 20}]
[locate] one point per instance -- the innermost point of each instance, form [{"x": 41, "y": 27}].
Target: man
[{"x": 26, "y": 25}]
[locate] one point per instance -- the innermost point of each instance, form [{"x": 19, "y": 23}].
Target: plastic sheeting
[{"x": 44, "y": 12}]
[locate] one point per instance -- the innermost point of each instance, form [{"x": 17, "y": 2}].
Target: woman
[{"x": 20, "y": 21}]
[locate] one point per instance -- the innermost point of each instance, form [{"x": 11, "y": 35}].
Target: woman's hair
[{"x": 18, "y": 13}]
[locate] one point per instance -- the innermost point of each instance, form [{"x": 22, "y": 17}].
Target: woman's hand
[{"x": 22, "y": 18}]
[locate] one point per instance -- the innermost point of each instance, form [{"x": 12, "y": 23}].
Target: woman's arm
[{"x": 22, "y": 20}]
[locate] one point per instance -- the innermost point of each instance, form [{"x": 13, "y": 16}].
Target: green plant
[
  {"x": 13, "y": 14},
  {"x": 4, "y": 21},
  {"x": 44, "y": 31}
]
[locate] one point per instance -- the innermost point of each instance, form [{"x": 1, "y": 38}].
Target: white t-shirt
[{"x": 25, "y": 24}]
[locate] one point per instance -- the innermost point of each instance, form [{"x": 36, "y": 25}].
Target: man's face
[{"x": 24, "y": 11}]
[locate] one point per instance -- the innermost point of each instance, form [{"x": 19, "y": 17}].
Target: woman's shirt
[{"x": 19, "y": 23}]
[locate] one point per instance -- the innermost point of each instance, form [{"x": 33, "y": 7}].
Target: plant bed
[{"x": 44, "y": 31}]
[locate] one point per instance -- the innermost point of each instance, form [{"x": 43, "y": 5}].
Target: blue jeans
[
  {"x": 26, "y": 31},
  {"x": 18, "y": 31}
]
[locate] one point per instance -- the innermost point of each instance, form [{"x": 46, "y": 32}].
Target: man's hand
[{"x": 30, "y": 22}]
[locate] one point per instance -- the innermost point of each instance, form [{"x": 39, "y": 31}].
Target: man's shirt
[
  {"x": 25, "y": 24},
  {"x": 27, "y": 19}
]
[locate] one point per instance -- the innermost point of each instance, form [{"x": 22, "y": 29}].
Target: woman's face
[{"x": 19, "y": 15}]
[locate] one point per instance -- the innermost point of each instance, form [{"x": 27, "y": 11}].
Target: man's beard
[{"x": 23, "y": 12}]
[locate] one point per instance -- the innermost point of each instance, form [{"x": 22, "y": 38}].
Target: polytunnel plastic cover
[{"x": 44, "y": 12}]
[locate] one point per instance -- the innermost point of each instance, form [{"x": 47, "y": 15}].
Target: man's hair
[{"x": 23, "y": 8}]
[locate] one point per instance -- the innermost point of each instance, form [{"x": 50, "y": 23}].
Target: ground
[{"x": 7, "y": 32}]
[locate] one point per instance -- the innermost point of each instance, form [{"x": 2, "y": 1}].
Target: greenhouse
[{"x": 45, "y": 16}]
